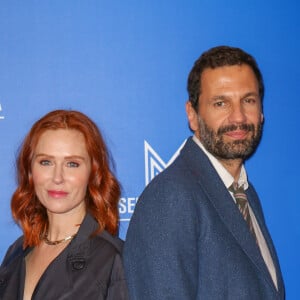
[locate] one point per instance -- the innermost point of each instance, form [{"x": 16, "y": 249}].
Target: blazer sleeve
[{"x": 157, "y": 265}]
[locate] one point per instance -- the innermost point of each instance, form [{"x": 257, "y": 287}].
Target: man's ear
[{"x": 192, "y": 116}]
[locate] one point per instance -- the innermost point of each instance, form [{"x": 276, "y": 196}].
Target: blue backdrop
[{"x": 125, "y": 64}]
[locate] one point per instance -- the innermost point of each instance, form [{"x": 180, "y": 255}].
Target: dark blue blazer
[{"x": 187, "y": 239}]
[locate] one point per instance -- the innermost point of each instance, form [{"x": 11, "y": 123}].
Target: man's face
[{"x": 229, "y": 118}]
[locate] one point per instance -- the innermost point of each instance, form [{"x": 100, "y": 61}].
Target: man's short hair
[{"x": 218, "y": 57}]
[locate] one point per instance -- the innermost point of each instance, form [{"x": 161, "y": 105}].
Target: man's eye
[
  {"x": 72, "y": 164},
  {"x": 250, "y": 100},
  {"x": 219, "y": 104}
]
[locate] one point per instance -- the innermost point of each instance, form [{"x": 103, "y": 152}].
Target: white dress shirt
[{"x": 228, "y": 179}]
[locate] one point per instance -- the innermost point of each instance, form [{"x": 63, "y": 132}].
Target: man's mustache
[{"x": 233, "y": 127}]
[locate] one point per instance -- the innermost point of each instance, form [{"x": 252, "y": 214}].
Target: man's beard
[{"x": 238, "y": 149}]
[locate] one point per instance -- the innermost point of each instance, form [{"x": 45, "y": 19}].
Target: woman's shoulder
[
  {"x": 15, "y": 250},
  {"x": 110, "y": 241},
  {"x": 103, "y": 239}
]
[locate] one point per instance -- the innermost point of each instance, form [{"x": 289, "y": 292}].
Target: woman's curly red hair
[{"x": 103, "y": 190}]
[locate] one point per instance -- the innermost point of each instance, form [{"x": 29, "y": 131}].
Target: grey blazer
[
  {"x": 187, "y": 239},
  {"x": 89, "y": 268}
]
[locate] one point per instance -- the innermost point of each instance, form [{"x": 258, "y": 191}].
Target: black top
[{"x": 88, "y": 268}]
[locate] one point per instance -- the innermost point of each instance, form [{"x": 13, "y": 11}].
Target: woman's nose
[{"x": 58, "y": 175}]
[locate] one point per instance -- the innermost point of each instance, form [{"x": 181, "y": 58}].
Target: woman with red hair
[{"x": 66, "y": 204}]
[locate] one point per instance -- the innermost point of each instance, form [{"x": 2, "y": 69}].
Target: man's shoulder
[
  {"x": 181, "y": 171},
  {"x": 170, "y": 186},
  {"x": 179, "y": 182},
  {"x": 174, "y": 175}
]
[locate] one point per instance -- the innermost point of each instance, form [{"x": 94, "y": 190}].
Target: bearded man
[{"x": 198, "y": 230}]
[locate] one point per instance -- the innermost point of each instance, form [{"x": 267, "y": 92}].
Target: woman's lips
[{"x": 57, "y": 194}]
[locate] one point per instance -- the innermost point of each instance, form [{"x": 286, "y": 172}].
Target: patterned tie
[{"x": 242, "y": 203}]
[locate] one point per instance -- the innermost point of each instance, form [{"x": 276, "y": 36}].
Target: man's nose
[{"x": 237, "y": 114}]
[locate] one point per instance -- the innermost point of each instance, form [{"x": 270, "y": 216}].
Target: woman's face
[{"x": 61, "y": 167}]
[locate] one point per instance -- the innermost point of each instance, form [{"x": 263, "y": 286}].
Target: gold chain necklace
[{"x": 53, "y": 243}]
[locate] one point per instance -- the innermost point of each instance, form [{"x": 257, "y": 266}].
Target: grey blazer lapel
[{"x": 221, "y": 200}]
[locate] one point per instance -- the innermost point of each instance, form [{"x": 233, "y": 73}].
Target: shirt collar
[{"x": 226, "y": 177}]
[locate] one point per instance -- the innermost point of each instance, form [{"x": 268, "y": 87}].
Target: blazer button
[
  {"x": 2, "y": 282},
  {"x": 78, "y": 265}
]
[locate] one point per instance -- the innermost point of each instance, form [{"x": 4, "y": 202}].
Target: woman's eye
[
  {"x": 72, "y": 164},
  {"x": 45, "y": 162}
]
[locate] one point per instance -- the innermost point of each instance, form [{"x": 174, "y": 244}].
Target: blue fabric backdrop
[{"x": 125, "y": 64}]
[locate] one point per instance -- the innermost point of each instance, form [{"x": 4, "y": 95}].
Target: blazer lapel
[
  {"x": 256, "y": 207},
  {"x": 222, "y": 201},
  {"x": 72, "y": 261}
]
